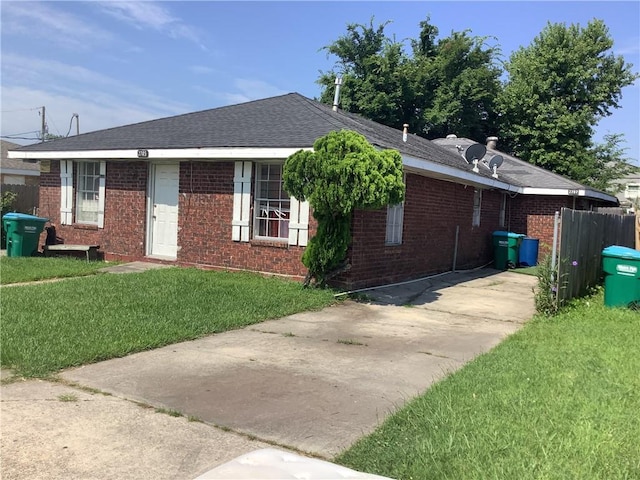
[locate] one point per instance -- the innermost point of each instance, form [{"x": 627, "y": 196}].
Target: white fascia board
[
  {"x": 455, "y": 174},
  {"x": 14, "y": 171},
  {"x": 169, "y": 153},
  {"x": 564, "y": 192}
]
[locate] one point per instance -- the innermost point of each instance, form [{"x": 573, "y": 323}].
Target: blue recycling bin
[{"x": 528, "y": 256}]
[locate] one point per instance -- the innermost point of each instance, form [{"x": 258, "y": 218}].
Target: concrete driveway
[{"x": 314, "y": 382}]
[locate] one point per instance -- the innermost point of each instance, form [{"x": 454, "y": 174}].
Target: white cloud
[
  {"x": 58, "y": 28},
  {"x": 101, "y": 101},
  {"x": 151, "y": 15}
]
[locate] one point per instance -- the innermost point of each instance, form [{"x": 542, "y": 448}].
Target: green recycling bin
[
  {"x": 23, "y": 233},
  {"x": 621, "y": 266},
  {"x": 506, "y": 246}
]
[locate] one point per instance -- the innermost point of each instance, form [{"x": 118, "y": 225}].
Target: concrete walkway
[{"x": 313, "y": 382}]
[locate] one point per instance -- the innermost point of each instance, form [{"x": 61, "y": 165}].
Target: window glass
[
  {"x": 88, "y": 182},
  {"x": 395, "y": 214},
  {"x": 272, "y": 203}
]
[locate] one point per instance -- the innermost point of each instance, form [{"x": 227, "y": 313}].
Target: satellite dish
[
  {"x": 475, "y": 152},
  {"x": 496, "y": 161}
]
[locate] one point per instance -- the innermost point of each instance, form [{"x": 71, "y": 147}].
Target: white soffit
[{"x": 153, "y": 154}]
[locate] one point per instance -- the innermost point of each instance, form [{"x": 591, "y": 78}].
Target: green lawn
[
  {"x": 29, "y": 269},
  {"x": 47, "y": 327},
  {"x": 560, "y": 399}
]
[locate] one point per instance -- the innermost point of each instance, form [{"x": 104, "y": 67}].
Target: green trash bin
[
  {"x": 23, "y": 233},
  {"x": 506, "y": 247},
  {"x": 621, "y": 266}
]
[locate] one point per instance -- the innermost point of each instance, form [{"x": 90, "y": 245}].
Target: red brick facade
[{"x": 433, "y": 211}]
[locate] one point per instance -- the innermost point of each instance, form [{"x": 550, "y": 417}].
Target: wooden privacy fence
[
  {"x": 583, "y": 236},
  {"x": 27, "y": 198}
]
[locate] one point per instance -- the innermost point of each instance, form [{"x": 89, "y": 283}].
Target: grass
[
  {"x": 559, "y": 399},
  {"x": 526, "y": 270},
  {"x": 51, "y": 326},
  {"x": 29, "y": 269}
]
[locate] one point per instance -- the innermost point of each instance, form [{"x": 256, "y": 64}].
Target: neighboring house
[
  {"x": 536, "y": 194},
  {"x": 629, "y": 197},
  {"x": 15, "y": 171},
  {"x": 205, "y": 189}
]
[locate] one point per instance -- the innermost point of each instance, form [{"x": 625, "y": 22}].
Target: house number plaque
[{"x": 143, "y": 153}]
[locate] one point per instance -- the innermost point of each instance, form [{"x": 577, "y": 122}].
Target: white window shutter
[
  {"x": 241, "y": 202},
  {"x": 298, "y": 223},
  {"x": 101, "y": 193},
  {"x": 66, "y": 192}
]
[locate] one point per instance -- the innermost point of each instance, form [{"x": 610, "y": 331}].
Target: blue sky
[{"x": 115, "y": 63}]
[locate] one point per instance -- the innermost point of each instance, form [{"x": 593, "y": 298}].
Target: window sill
[
  {"x": 84, "y": 226},
  {"x": 259, "y": 242}
]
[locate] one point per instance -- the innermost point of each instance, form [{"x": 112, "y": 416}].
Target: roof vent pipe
[
  {"x": 492, "y": 142},
  {"x": 336, "y": 96},
  {"x": 405, "y": 131}
]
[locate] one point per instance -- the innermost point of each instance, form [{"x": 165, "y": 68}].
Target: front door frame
[{"x": 150, "y": 205}]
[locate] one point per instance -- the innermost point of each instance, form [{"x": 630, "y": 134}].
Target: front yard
[
  {"x": 559, "y": 399},
  {"x": 51, "y": 326}
]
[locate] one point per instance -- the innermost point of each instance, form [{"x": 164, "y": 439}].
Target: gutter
[{"x": 158, "y": 154}]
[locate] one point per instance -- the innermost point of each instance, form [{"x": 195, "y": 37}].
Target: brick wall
[
  {"x": 204, "y": 229},
  {"x": 204, "y": 235},
  {"x": 433, "y": 209},
  {"x": 125, "y": 205}
]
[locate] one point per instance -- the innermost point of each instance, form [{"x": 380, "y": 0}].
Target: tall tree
[
  {"x": 558, "y": 89},
  {"x": 446, "y": 86},
  {"x": 464, "y": 80},
  {"x": 370, "y": 65}
]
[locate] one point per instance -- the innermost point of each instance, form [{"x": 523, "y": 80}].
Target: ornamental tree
[{"x": 343, "y": 173}]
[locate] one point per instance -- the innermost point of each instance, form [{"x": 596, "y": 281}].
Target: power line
[
  {"x": 21, "y": 110},
  {"x": 21, "y": 133},
  {"x": 19, "y": 138}
]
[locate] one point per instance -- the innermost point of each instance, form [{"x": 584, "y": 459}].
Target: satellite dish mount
[
  {"x": 474, "y": 153},
  {"x": 494, "y": 164}
]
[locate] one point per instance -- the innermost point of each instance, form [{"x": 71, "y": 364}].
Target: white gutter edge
[
  {"x": 154, "y": 153},
  {"x": 568, "y": 192},
  {"x": 457, "y": 174}
]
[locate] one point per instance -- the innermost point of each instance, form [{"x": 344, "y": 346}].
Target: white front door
[{"x": 164, "y": 210}]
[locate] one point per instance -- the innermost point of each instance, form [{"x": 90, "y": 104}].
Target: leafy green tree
[
  {"x": 558, "y": 89},
  {"x": 371, "y": 67},
  {"x": 446, "y": 86},
  {"x": 343, "y": 173},
  {"x": 610, "y": 164}
]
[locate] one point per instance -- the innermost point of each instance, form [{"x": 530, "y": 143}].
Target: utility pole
[
  {"x": 77, "y": 123},
  {"x": 44, "y": 125}
]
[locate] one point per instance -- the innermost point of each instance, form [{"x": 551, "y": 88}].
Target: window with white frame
[
  {"x": 395, "y": 215},
  {"x": 82, "y": 192},
  {"x": 87, "y": 192},
  {"x": 272, "y": 203},
  {"x": 632, "y": 191},
  {"x": 477, "y": 205}
]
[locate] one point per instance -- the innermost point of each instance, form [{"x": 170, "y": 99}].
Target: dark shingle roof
[
  {"x": 290, "y": 120},
  {"x": 513, "y": 170}
]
